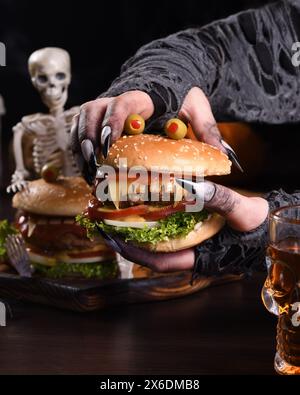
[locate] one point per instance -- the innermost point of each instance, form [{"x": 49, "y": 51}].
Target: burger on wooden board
[
  {"x": 57, "y": 245},
  {"x": 160, "y": 226}
]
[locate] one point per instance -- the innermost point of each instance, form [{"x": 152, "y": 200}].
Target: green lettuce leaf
[
  {"x": 6, "y": 229},
  {"x": 174, "y": 226},
  {"x": 90, "y": 226},
  {"x": 103, "y": 271}
]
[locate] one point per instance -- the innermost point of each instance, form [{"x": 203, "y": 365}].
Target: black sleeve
[
  {"x": 232, "y": 252},
  {"x": 242, "y": 63}
]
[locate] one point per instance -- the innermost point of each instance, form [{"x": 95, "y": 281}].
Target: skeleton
[{"x": 41, "y": 139}]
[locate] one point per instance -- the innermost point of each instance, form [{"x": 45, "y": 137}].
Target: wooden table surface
[{"x": 222, "y": 330}]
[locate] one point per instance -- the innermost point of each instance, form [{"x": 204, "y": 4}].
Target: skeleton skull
[
  {"x": 281, "y": 296},
  {"x": 281, "y": 287},
  {"x": 50, "y": 71}
]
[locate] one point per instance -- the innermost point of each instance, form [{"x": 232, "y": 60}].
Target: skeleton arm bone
[
  {"x": 19, "y": 132},
  {"x": 18, "y": 181}
]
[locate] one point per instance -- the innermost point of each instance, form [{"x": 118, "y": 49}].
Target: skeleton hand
[{"x": 18, "y": 181}]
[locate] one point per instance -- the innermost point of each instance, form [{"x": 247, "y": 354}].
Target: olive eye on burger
[
  {"x": 159, "y": 226},
  {"x": 57, "y": 245}
]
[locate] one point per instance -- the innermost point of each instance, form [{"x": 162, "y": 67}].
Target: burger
[
  {"x": 57, "y": 245},
  {"x": 160, "y": 224}
]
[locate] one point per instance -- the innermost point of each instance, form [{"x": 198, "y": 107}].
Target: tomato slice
[
  {"x": 155, "y": 214},
  {"x": 98, "y": 213},
  {"x": 151, "y": 213}
]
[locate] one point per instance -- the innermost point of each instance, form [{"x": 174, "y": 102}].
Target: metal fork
[{"x": 18, "y": 256}]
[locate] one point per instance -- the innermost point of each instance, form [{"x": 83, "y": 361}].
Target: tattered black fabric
[
  {"x": 242, "y": 63},
  {"x": 237, "y": 252}
]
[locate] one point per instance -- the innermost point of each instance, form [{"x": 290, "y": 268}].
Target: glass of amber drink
[{"x": 281, "y": 292}]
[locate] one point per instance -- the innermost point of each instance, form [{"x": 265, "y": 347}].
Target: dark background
[{"x": 100, "y": 36}]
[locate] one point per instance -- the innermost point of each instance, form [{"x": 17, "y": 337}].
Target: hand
[
  {"x": 158, "y": 262},
  {"x": 242, "y": 213},
  {"x": 18, "y": 181},
  {"x": 102, "y": 121},
  {"x": 196, "y": 111}
]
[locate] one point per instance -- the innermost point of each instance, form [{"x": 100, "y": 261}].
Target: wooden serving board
[{"x": 91, "y": 295}]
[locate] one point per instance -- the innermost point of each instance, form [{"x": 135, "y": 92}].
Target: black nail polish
[
  {"x": 232, "y": 155},
  {"x": 93, "y": 164},
  {"x": 87, "y": 149},
  {"x": 87, "y": 174},
  {"x": 110, "y": 241},
  {"x": 235, "y": 161},
  {"x": 106, "y": 140},
  {"x": 89, "y": 167},
  {"x": 106, "y": 146}
]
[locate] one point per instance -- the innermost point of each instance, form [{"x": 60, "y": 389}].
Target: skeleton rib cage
[{"x": 45, "y": 150}]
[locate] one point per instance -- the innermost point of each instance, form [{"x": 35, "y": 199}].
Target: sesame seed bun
[
  {"x": 169, "y": 156},
  {"x": 187, "y": 158},
  {"x": 65, "y": 197}
]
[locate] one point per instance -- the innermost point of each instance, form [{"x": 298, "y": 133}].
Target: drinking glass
[{"x": 280, "y": 293}]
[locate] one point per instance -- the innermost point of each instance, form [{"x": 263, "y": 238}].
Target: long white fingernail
[
  {"x": 232, "y": 155},
  {"x": 87, "y": 149},
  {"x": 106, "y": 140},
  {"x": 204, "y": 190}
]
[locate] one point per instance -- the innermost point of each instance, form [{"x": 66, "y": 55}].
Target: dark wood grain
[
  {"x": 86, "y": 296},
  {"x": 222, "y": 330}
]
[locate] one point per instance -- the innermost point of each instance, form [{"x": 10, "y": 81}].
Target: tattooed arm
[{"x": 233, "y": 251}]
